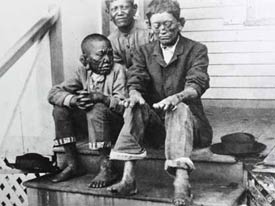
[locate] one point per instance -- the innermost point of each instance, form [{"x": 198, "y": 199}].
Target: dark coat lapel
[
  {"x": 158, "y": 54},
  {"x": 179, "y": 49}
]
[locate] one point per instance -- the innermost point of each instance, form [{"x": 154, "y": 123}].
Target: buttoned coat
[{"x": 157, "y": 80}]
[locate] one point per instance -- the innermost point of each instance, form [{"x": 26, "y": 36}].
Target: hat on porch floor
[{"x": 238, "y": 144}]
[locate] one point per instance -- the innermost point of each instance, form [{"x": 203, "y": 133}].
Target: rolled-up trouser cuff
[
  {"x": 99, "y": 145},
  {"x": 183, "y": 163},
  {"x": 63, "y": 141},
  {"x": 126, "y": 156}
]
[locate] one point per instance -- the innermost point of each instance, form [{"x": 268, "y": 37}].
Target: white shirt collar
[{"x": 168, "y": 51}]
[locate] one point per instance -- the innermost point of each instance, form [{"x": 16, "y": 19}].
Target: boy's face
[
  {"x": 99, "y": 56},
  {"x": 122, "y": 12},
  {"x": 166, "y": 28}
]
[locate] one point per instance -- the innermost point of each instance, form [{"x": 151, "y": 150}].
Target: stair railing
[
  {"x": 49, "y": 24},
  {"x": 35, "y": 33}
]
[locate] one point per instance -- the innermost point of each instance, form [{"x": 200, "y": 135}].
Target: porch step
[
  {"x": 217, "y": 181},
  {"x": 209, "y": 167},
  {"x": 41, "y": 192}
]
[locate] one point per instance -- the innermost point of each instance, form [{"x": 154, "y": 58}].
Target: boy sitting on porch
[
  {"x": 96, "y": 89},
  {"x": 165, "y": 83}
]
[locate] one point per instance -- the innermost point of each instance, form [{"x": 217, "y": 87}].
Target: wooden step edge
[
  {"x": 42, "y": 184},
  {"x": 198, "y": 155}
]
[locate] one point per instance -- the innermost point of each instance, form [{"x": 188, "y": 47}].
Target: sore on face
[
  {"x": 99, "y": 56},
  {"x": 165, "y": 27},
  {"x": 122, "y": 12}
]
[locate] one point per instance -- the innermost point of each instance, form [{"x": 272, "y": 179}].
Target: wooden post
[
  {"x": 56, "y": 52},
  {"x": 105, "y": 16}
]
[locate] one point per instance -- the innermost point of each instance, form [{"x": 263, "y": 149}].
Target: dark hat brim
[{"x": 219, "y": 149}]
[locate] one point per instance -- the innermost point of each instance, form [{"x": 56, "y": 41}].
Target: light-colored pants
[{"x": 179, "y": 130}]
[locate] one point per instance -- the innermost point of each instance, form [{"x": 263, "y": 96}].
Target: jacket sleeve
[
  {"x": 138, "y": 76},
  {"x": 119, "y": 89},
  {"x": 197, "y": 76},
  {"x": 115, "y": 45},
  {"x": 59, "y": 92}
]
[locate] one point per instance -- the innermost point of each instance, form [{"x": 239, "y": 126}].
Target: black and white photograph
[{"x": 137, "y": 103}]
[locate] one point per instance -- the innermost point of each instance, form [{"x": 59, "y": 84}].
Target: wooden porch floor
[{"x": 259, "y": 122}]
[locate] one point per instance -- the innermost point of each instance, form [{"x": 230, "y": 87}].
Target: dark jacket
[
  {"x": 124, "y": 44},
  {"x": 157, "y": 80}
]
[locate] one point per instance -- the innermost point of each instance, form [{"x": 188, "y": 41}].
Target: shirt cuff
[{"x": 67, "y": 100}]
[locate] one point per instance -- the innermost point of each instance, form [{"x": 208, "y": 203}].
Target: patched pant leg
[
  {"x": 129, "y": 143},
  {"x": 179, "y": 139},
  {"x": 64, "y": 129}
]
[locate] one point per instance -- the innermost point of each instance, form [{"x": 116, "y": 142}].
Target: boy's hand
[
  {"x": 169, "y": 103},
  {"x": 75, "y": 102},
  {"x": 135, "y": 98},
  {"x": 93, "y": 97}
]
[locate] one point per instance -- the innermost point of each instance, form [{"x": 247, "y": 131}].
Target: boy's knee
[
  {"x": 137, "y": 110},
  {"x": 60, "y": 112},
  {"x": 183, "y": 107},
  {"x": 97, "y": 111}
]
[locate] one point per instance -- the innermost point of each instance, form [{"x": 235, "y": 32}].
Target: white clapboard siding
[
  {"x": 241, "y": 46},
  {"x": 238, "y": 47},
  {"x": 210, "y": 3},
  {"x": 241, "y": 70},
  {"x": 194, "y": 25},
  {"x": 240, "y": 93},
  {"x": 213, "y": 12},
  {"x": 238, "y": 35},
  {"x": 242, "y": 82},
  {"x": 242, "y": 58}
]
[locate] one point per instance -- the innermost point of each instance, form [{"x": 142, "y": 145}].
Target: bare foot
[
  {"x": 124, "y": 188},
  {"x": 182, "y": 199},
  {"x": 68, "y": 172},
  {"x": 182, "y": 193},
  {"x": 106, "y": 176}
]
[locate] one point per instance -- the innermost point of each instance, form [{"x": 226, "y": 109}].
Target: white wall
[
  {"x": 79, "y": 18},
  {"x": 22, "y": 114},
  {"x": 26, "y": 123},
  {"x": 240, "y": 36}
]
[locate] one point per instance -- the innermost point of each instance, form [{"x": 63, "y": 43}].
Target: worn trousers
[
  {"x": 102, "y": 124},
  {"x": 180, "y": 129}
]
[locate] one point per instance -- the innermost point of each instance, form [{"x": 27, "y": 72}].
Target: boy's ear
[
  {"x": 83, "y": 60},
  {"x": 182, "y": 21},
  {"x": 135, "y": 7}
]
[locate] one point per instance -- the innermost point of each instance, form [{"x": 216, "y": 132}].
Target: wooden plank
[
  {"x": 193, "y": 25},
  {"x": 221, "y": 24},
  {"x": 105, "y": 19},
  {"x": 227, "y": 120},
  {"x": 201, "y": 13},
  {"x": 240, "y": 93},
  {"x": 56, "y": 51},
  {"x": 238, "y": 47},
  {"x": 245, "y": 35},
  {"x": 210, "y": 3},
  {"x": 241, "y": 70},
  {"x": 238, "y": 103},
  {"x": 242, "y": 58},
  {"x": 25, "y": 42},
  {"x": 212, "y": 12},
  {"x": 242, "y": 82}
]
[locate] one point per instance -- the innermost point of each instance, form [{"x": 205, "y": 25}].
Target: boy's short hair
[
  {"x": 108, "y": 2},
  {"x": 160, "y": 6},
  {"x": 94, "y": 37}
]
